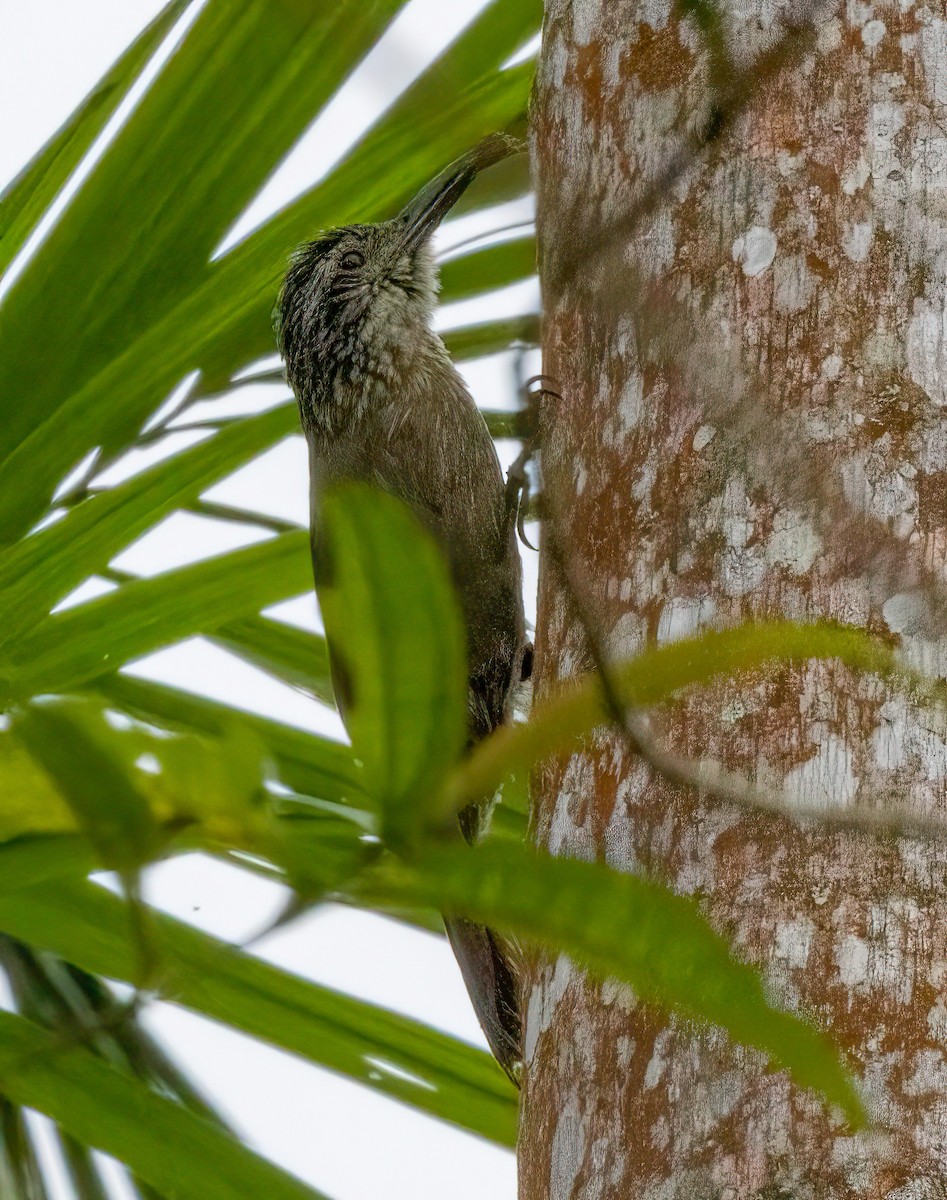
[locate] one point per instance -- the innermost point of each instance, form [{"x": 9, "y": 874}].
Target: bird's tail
[
  {"x": 488, "y": 962},
  {"x": 492, "y": 989}
]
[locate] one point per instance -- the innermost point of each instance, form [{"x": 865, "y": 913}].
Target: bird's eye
[{"x": 352, "y": 260}]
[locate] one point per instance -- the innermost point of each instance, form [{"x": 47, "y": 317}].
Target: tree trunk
[{"x": 752, "y": 355}]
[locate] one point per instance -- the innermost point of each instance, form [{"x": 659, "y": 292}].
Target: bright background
[{"x": 312, "y": 1123}]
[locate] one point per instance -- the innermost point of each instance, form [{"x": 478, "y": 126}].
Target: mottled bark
[{"x": 754, "y": 379}]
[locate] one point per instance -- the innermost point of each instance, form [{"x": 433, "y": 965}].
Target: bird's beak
[{"x": 435, "y": 200}]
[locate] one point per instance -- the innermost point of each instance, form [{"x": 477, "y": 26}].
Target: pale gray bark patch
[
  {"x": 569, "y": 1147},
  {"x": 545, "y": 995}
]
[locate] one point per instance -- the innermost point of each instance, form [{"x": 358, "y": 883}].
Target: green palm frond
[{"x": 124, "y": 299}]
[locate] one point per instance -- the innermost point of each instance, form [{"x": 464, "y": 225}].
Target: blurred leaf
[
  {"x": 82, "y": 1169},
  {"x": 108, "y": 807},
  {"x": 504, "y": 423},
  {"x": 30, "y": 802},
  {"x": 98, "y": 637},
  {"x": 221, "y": 784},
  {"x": 214, "y": 784},
  {"x": 477, "y": 341},
  {"x": 655, "y": 675},
  {"x": 20, "y": 1174},
  {"x": 29, "y": 860},
  {"x": 124, "y": 781},
  {"x": 218, "y": 781},
  {"x": 298, "y": 658},
  {"x": 104, "y": 1108},
  {"x": 398, "y": 646},
  {"x": 318, "y": 852},
  {"x": 631, "y": 929},
  {"x": 394, "y": 1055},
  {"x": 305, "y": 762},
  {"x": 487, "y": 269},
  {"x": 74, "y": 1004},
  {"x": 25, "y": 198},
  {"x": 45, "y": 567}
]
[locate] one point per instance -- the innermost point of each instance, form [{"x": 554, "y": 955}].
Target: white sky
[{"x": 341, "y": 1138}]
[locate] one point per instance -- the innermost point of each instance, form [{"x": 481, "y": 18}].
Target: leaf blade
[
  {"x": 490, "y": 337},
  {"x": 394, "y": 1055},
  {"x": 43, "y": 568},
  {"x": 109, "y": 809},
  {"x": 140, "y": 232},
  {"x": 394, "y": 625},
  {"x": 96, "y": 638},
  {"x": 312, "y": 765},
  {"x": 655, "y": 675},
  {"x": 101, "y": 1107},
  {"x": 294, "y": 656},
  {"x": 487, "y": 269},
  {"x": 621, "y": 926},
  {"x": 26, "y": 197}
]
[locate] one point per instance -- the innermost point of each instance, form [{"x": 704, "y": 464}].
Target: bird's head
[{"x": 357, "y": 301}]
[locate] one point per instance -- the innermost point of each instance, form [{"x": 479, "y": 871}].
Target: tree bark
[{"x": 753, "y": 374}]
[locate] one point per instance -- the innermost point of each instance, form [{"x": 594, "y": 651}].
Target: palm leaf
[{"x": 127, "y": 283}]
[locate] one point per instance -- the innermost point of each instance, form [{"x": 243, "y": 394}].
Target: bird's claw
[
  {"x": 521, "y": 521},
  {"x": 534, "y": 390},
  {"x": 517, "y": 491}
]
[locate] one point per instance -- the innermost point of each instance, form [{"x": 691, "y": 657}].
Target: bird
[{"x": 381, "y": 402}]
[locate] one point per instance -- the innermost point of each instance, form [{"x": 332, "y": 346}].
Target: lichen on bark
[{"x": 754, "y": 378}]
